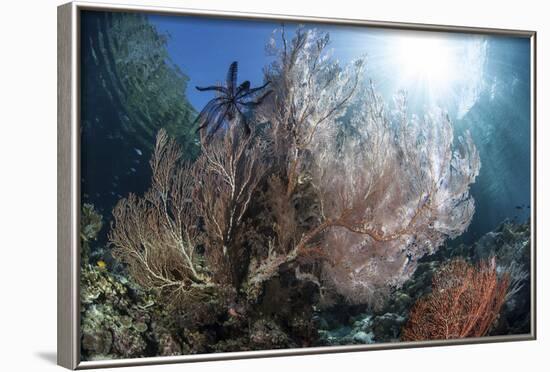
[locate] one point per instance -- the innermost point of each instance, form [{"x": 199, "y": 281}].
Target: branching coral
[
  {"x": 157, "y": 236},
  {"x": 388, "y": 187},
  {"x": 465, "y": 302},
  {"x": 394, "y": 191},
  {"x": 328, "y": 184},
  {"x": 228, "y": 172},
  {"x": 310, "y": 93}
]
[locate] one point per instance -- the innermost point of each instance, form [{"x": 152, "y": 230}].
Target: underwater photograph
[{"x": 250, "y": 185}]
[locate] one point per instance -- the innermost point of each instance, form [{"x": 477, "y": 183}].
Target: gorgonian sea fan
[
  {"x": 351, "y": 194},
  {"x": 465, "y": 302},
  {"x": 390, "y": 187},
  {"x": 399, "y": 188}
]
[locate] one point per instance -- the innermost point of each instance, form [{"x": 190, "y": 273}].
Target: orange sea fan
[{"x": 465, "y": 302}]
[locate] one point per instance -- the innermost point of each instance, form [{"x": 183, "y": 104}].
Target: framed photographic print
[{"x": 236, "y": 185}]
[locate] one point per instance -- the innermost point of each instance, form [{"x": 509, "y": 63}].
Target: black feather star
[{"x": 232, "y": 101}]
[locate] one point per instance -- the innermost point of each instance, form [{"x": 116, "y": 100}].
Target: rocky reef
[{"x": 119, "y": 319}]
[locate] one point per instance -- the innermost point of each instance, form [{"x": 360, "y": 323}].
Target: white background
[{"x": 28, "y": 185}]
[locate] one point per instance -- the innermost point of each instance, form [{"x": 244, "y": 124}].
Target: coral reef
[
  {"x": 281, "y": 208},
  {"x": 91, "y": 223},
  {"x": 282, "y": 225},
  {"x": 508, "y": 242},
  {"x": 118, "y": 319}
]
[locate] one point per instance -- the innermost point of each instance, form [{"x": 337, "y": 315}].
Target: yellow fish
[{"x": 101, "y": 264}]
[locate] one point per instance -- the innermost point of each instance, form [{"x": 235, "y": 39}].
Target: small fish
[
  {"x": 138, "y": 151},
  {"x": 519, "y": 207},
  {"x": 133, "y": 170},
  {"x": 101, "y": 264}
]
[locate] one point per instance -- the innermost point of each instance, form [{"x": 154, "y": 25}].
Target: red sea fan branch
[{"x": 465, "y": 302}]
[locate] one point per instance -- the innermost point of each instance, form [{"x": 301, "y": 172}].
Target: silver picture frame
[{"x": 68, "y": 189}]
